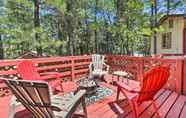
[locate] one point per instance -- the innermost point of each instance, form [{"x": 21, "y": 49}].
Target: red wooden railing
[
  {"x": 138, "y": 65},
  {"x": 72, "y": 67},
  {"x": 169, "y": 54}
]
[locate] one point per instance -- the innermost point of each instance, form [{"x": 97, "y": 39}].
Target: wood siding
[{"x": 177, "y": 36}]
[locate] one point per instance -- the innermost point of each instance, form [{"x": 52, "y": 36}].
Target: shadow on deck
[{"x": 170, "y": 105}]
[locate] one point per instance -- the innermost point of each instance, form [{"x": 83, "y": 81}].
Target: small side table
[{"x": 121, "y": 74}]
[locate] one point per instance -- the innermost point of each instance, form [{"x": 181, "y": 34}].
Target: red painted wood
[
  {"x": 164, "y": 109},
  {"x": 81, "y": 71},
  {"x": 4, "y": 102},
  {"x": 28, "y": 71},
  {"x": 183, "y": 112},
  {"x": 146, "y": 105},
  {"x": 179, "y": 75},
  {"x": 53, "y": 67},
  {"x": 82, "y": 63},
  {"x": 9, "y": 72},
  {"x": 72, "y": 69},
  {"x": 9, "y": 62},
  {"x": 138, "y": 65},
  {"x": 79, "y": 61},
  {"x": 58, "y": 64},
  {"x": 119, "y": 110},
  {"x": 184, "y": 77},
  {"x": 184, "y": 41},
  {"x": 177, "y": 107},
  {"x": 150, "y": 110},
  {"x": 104, "y": 108},
  {"x": 153, "y": 81},
  {"x": 131, "y": 64}
]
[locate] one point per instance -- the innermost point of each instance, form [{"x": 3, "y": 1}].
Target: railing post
[
  {"x": 184, "y": 77},
  {"x": 178, "y": 77},
  {"x": 141, "y": 70},
  {"x": 72, "y": 68}
]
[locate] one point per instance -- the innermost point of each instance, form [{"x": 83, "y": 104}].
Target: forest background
[{"x": 78, "y": 27}]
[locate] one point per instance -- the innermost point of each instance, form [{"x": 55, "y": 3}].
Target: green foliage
[{"x": 77, "y": 26}]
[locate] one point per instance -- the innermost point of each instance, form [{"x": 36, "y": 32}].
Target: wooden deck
[{"x": 170, "y": 105}]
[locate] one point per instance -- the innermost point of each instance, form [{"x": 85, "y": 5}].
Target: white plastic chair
[{"x": 97, "y": 67}]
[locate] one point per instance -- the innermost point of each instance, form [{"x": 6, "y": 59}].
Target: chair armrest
[
  {"x": 72, "y": 104},
  {"x": 75, "y": 102},
  {"x": 127, "y": 88},
  {"x": 15, "y": 102},
  {"x": 107, "y": 66},
  {"x": 56, "y": 108},
  {"x": 90, "y": 67}
]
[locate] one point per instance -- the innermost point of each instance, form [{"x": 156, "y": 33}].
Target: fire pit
[
  {"x": 88, "y": 84},
  {"x": 95, "y": 92}
]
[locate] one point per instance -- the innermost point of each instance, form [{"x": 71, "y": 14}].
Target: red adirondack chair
[
  {"x": 28, "y": 71},
  {"x": 153, "y": 81}
]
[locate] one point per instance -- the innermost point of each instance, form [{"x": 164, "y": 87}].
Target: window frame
[
  {"x": 171, "y": 23},
  {"x": 166, "y": 40}
]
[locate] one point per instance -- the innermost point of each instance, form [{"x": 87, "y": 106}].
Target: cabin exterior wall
[{"x": 177, "y": 37}]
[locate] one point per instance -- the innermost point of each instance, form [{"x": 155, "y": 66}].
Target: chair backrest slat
[
  {"x": 33, "y": 95},
  {"x": 27, "y": 70},
  {"x": 153, "y": 81},
  {"x": 97, "y": 61},
  {"x": 23, "y": 100}
]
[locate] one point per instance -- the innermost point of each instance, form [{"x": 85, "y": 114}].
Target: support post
[
  {"x": 72, "y": 68},
  {"x": 141, "y": 70},
  {"x": 178, "y": 77}
]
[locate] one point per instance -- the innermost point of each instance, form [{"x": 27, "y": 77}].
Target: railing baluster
[{"x": 72, "y": 68}]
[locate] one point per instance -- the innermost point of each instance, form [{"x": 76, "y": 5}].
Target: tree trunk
[
  {"x": 37, "y": 24},
  {"x": 1, "y": 48},
  {"x": 69, "y": 27},
  {"x": 127, "y": 37},
  {"x": 95, "y": 31},
  {"x": 155, "y": 25},
  {"x": 168, "y": 7},
  {"x": 60, "y": 36},
  {"x": 119, "y": 21},
  {"x": 87, "y": 37}
]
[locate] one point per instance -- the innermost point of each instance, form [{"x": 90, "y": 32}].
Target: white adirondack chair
[{"x": 97, "y": 66}]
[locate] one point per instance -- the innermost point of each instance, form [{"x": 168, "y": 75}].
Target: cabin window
[
  {"x": 166, "y": 40},
  {"x": 171, "y": 23}
]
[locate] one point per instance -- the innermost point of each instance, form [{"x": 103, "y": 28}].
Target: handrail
[
  {"x": 138, "y": 65},
  {"x": 8, "y": 67},
  {"x": 72, "y": 67}
]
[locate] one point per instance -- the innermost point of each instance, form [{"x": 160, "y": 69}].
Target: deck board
[
  {"x": 150, "y": 110},
  {"x": 183, "y": 112},
  {"x": 144, "y": 106},
  {"x": 177, "y": 107},
  {"x": 166, "y": 106}
]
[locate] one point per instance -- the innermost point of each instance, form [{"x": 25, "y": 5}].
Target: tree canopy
[{"x": 76, "y": 27}]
